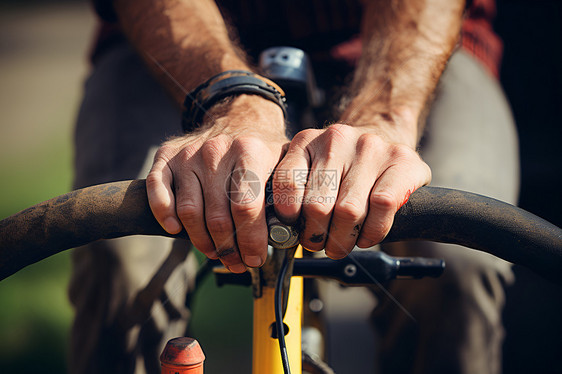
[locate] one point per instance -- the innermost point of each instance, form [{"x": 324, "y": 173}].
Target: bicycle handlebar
[{"x": 120, "y": 209}]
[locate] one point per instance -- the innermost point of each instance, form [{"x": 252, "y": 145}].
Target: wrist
[
  {"x": 399, "y": 125},
  {"x": 245, "y": 114},
  {"x": 227, "y": 84}
]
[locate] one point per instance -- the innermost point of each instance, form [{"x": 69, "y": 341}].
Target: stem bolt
[{"x": 279, "y": 233}]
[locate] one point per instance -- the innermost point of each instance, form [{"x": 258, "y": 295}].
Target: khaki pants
[
  {"x": 129, "y": 294},
  {"x": 470, "y": 145}
]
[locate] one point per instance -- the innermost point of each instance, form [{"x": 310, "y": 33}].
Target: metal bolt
[
  {"x": 279, "y": 233},
  {"x": 350, "y": 270}
]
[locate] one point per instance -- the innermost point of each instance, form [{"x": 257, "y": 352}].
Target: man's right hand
[{"x": 212, "y": 182}]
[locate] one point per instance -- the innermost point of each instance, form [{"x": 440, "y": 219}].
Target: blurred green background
[{"x": 42, "y": 63}]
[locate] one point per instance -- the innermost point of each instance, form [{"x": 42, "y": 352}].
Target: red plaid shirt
[{"x": 478, "y": 38}]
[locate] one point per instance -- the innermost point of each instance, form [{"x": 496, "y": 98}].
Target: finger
[
  {"x": 330, "y": 159},
  {"x": 190, "y": 210},
  {"x": 221, "y": 228},
  {"x": 247, "y": 205},
  {"x": 353, "y": 198},
  {"x": 159, "y": 188},
  {"x": 214, "y": 174},
  {"x": 247, "y": 197},
  {"x": 391, "y": 190},
  {"x": 290, "y": 176}
]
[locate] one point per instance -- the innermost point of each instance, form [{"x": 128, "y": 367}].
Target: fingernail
[
  {"x": 253, "y": 261},
  {"x": 213, "y": 255},
  {"x": 238, "y": 268},
  {"x": 365, "y": 243},
  {"x": 337, "y": 255},
  {"x": 172, "y": 225}
]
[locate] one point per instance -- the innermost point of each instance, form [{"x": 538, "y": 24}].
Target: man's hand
[
  {"x": 185, "y": 43},
  {"x": 212, "y": 182},
  {"x": 357, "y": 180},
  {"x": 405, "y": 47}
]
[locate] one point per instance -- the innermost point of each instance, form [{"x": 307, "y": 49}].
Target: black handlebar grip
[
  {"x": 482, "y": 223},
  {"x": 79, "y": 217},
  {"x": 121, "y": 208}
]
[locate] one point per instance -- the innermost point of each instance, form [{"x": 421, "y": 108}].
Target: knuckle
[
  {"x": 187, "y": 211},
  {"x": 302, "y": 139},
  {"x": 349, "y": 210},
  {"x": 374, "y": 235},
  {"x": 383, "y": 202},
  {"x": 217, "y": 144},
  {"x": 377, "y": 225},
  {"x": 219, "y": 224},
  {"x": 152, "y": 180},
  {"x": 369, "y": 143},
  {"x": 335, "y": 135},
  {"x": 281, "y": 182},
  {"x": 305, "y": 135},
  {"x": 333, "y": 140},
  {"x": 402, "y": 152},
  {"x": 186, "y": 153},
  {"x": 165, "y": 153},
  {"x": 340, "y": 130},
  {"x": 245, "y": 211},
  {"x": 315, "y": 209},
  {"x": 377, "y": 232},
  {"x": 245, "y": 144},
  {"x": 213, "y": 150},
  {"x": 285, "y": 181}
]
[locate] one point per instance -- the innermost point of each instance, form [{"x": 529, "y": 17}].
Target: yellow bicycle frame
[{"x": 266, "y": 356}]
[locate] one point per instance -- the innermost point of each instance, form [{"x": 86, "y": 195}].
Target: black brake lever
[
  {"x": 363, "y": 268},
  {"x": 360, "y": 268}
]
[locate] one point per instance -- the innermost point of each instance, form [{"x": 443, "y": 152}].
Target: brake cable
[{"x": 279, "y": 326}]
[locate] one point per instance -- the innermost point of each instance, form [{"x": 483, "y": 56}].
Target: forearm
[
  {"x": 405, "y": 49},
  {"x": 183, "y": 42}
]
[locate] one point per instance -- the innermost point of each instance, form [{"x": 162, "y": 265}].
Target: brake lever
[
  {"x": 364, "y": 268},
  {"x": 360, "y": 268}
]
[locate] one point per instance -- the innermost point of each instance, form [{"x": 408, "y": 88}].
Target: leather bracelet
[{"x": 225, "y": 84}]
